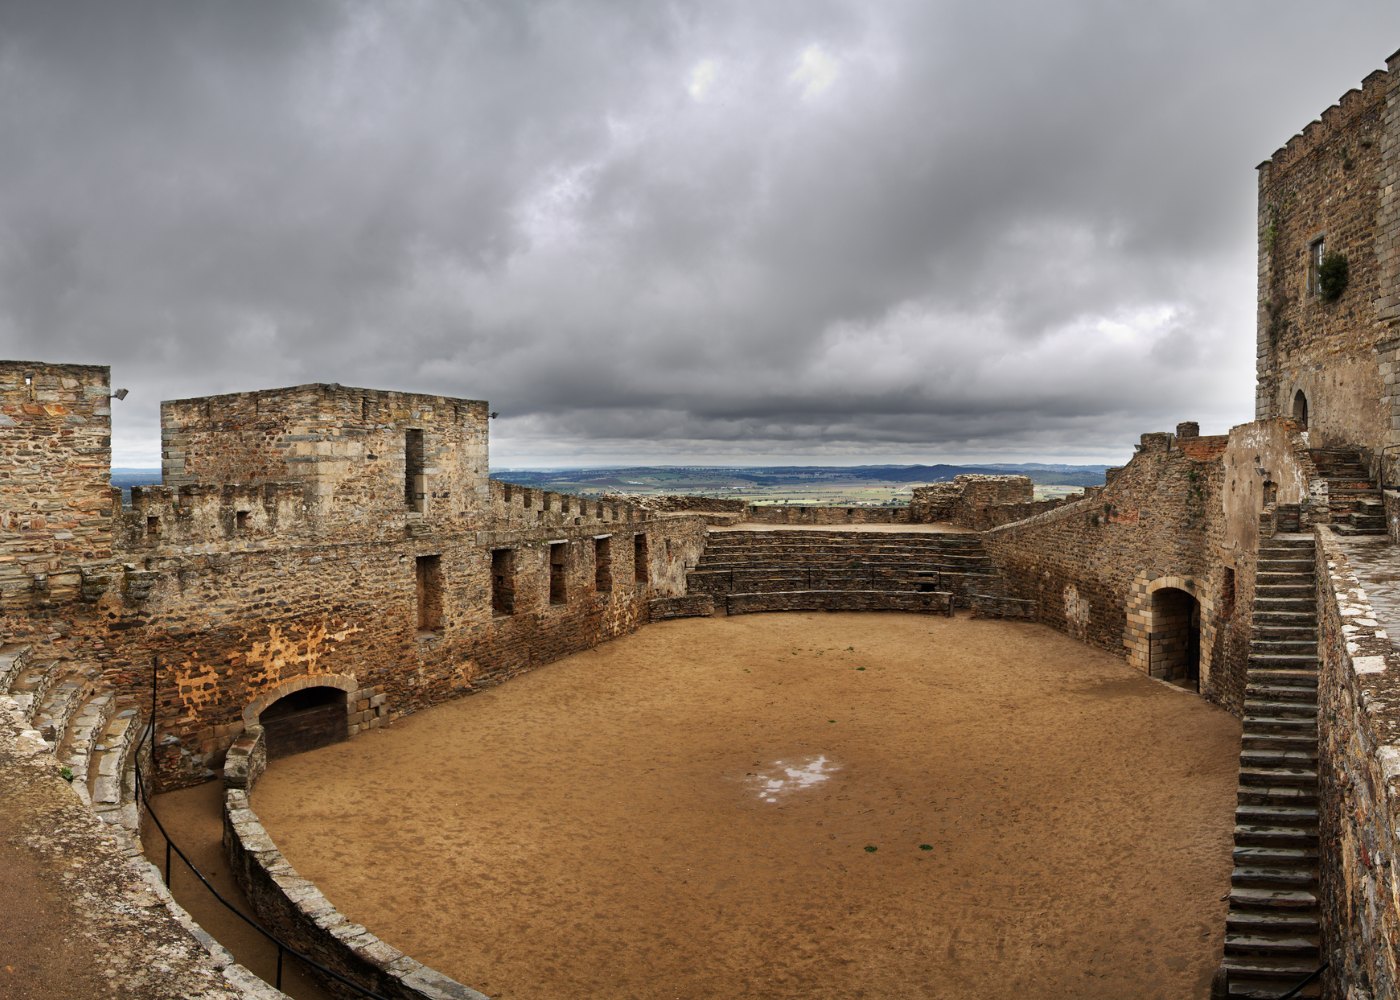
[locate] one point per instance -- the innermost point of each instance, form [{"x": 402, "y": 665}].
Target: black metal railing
[
  {"x": 1305, "y": 982},
  {"x": 283, "y": 949}
]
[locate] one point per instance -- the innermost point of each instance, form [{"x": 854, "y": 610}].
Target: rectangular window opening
[
  {"x": 558, "y": 556},
  {"x": 639, "y": 558},
  {"x": 602, "y": 565},
  {"x": 503, "y": 581},
  {"x": 505, "y": 489},
  {"x": 429, "y": 593},
  {"x": 413, "y": 463},
  {"x": 240, "y": 521},
  {"x": 152, "y": 526},
  {"x": 1317, "y": 250}
]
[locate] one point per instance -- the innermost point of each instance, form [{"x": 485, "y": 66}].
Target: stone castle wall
[
  {"x": 231, "y": 593},
  {"x": 55, "y": 476},
  {"x": 368, "y": 460},
  {"x": 1093, "y": 566},
  {"x": 1335, "y": 183}
]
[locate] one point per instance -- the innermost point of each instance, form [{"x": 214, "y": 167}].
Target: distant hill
[
  {"x": 695, "y": 479},
  {"x": 126, "y": 478}
]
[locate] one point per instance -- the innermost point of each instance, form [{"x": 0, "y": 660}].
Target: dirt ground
[{"x": 802, "y": 805}]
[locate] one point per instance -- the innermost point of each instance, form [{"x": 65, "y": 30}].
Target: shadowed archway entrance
[
  {"x": 1174, "y": 642},
  {"x": 304, "y": 720},
  {"x": 1300, "y": 409}
]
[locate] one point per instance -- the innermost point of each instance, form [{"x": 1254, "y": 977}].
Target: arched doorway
[
  {"x": 1174, "y": 644},
  {"x": 1300, "y": 409},
  {"x": 304, "y": 720}
]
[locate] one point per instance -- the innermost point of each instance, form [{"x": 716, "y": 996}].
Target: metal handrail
[
  {"x": 282, "y": 947},
  {"x": 1311, "y": 976}
]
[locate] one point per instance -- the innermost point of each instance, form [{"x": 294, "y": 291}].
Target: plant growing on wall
[{"x": 1332, "y": 276}]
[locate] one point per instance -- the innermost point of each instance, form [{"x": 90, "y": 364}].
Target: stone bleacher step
[
  {"x": 14, "y": 659},
  {"x": 29, "y": 688},
  {"x": 62, "y": 701},
  {"x": 111, "y": 757}
]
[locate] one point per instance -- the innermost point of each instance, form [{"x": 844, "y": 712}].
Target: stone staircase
[
  {"x": 842, "y": 570},
  {"x": 1272, "y": 937},
  {"x": 1352, "y": 496},
  {"x": 90, "y": 730}
]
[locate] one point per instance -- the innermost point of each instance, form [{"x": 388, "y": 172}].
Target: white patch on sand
[{"x": 784, "y": 777}]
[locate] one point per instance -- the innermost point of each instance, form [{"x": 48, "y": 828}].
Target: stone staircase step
[
  {"x": 1284, "y": 678},
  {"x": 1279, "y": 776},
  {"x": 1269, "y": 989},
  {"x": 1281, "y": 693},
  {"x": 1280, "y": 741},
  {"x": 1255, "y": 758},
  {"x": 1279, "y": 878},
  {"x": 1279, "y": 814},
  {"x": 1268, "y": 921},
  {"x": 1255, "y": 897},
  {"x": 1263, "y": 835},
  {"x": 1276, "y": 857},
  {"x": 1274, "y": 710},
  {"x": 1276, "y": 795}
]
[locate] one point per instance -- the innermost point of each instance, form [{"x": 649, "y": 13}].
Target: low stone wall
[
  {"x": 933, "y": 602},
  {"x": 1358, "y": 785},
  {"x": 294, "y": 909},
  {"x": 993, "y": 606},
  {"x": 793, "y": 514},
  {"x": 692, "y": 606}
]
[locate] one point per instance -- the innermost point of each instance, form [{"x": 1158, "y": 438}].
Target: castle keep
[{"x": 323, "y": 559}]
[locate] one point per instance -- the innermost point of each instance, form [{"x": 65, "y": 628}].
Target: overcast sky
[{"x": 807, "y": 231}]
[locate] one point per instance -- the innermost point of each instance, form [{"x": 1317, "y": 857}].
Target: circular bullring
[{"x": 802, "y": 805}]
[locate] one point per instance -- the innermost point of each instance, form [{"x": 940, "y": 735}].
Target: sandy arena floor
[{"x": 802, "y": 805}]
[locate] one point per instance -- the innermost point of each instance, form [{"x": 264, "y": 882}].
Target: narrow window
[
  {"x": 529, "y": 498},
  {"x": 413, "y": 485},
  {"x": 1317, "y": 250},
  {"x": 503, "y": 581},
  {"x": 429, "y": 593},
  {"x": 546, "y": 500},
  {"x": 240, "y": 522},
  {"x": 602, "y": 565},
  {"x": 505, "y": 488},
  {"x": 558, "y": 554},
  {"x": 598, "y": 510},
  {"x": 152, "y": 526},
  {"x": 639, "y": 558}
]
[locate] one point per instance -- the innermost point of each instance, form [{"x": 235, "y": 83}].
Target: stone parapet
[
  {"x": 294, "y": 909},
  {"x": 1358, "y": 783}
]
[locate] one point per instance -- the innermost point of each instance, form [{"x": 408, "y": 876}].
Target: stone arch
[
  {"x": 303, "y": 713},
  {"x": 1169, "y": 633},
  {"x": 1300, "y": 409}
]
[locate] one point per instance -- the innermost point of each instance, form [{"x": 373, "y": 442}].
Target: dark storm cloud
[{"x": 795, "y": 230}]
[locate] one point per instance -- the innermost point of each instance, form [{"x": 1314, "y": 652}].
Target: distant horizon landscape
[{"x": 868, "y": 485}]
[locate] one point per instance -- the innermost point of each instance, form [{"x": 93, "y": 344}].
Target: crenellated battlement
[
  {"x": 1353, "y": 105},
  {"x": 199, "y": 514},
  {"x": 515, "y": 507}
]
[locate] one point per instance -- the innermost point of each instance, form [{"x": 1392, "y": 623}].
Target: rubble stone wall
[
  {"x": 1335, "y": 185},
  {"x": 1091, "y": 567},
  {"x": 1358, "y": 784}
]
